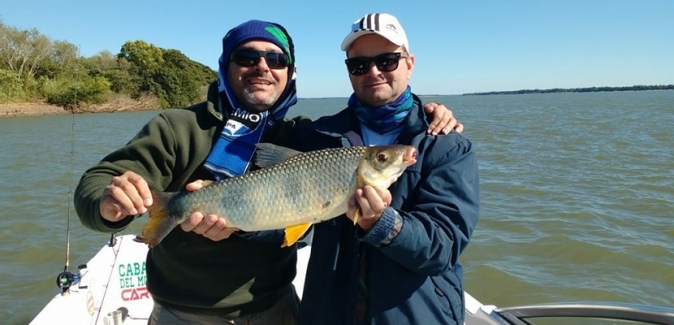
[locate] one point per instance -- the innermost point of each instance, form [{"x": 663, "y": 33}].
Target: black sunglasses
[
  {"x": 251, "y": 58},
  {"x": 385, "y": 62}
]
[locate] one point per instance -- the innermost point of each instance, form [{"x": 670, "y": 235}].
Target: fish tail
[{"x": 160, "y": 224}]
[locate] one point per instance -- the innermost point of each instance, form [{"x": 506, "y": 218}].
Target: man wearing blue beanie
[{"x": 194, "y": 275}]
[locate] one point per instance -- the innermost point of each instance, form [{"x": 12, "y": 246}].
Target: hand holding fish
[
  {"x": 443, "y": 119},
  {"x": 211, "y": 226},
  {"x": 370, "y": 202},
  {"x": 127, "y": 194}
]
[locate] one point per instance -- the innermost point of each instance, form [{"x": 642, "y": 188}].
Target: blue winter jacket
[{"x": 415, "y": 277}]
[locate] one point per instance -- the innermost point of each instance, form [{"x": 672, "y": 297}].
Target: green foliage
[
  {"x": 11, "y": 87},
  {"x": 31, "y": 88},
  {"x": 23, "y": 51},
  {"x": 66, "y": 93},
  {"x": 178, "y": 80},
  {"x": 172, "y": 76},
  {"x": 101, "y": 62},
  {"x": 63, "y": 60},
  {"x": 32, "y": 67},
  {"x": 146, "y": 57},
  {"x": 122, "y": 82},
  {"x": 116, "y": 70}
]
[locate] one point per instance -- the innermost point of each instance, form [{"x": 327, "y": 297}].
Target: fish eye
[{"x": 382, "y": 157}]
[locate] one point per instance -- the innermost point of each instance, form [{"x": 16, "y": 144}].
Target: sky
[{"x": 460, "y": 46}]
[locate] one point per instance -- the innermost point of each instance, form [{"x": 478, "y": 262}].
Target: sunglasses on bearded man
[
  {"x": 385, "y": 62},
  {"x": 251, "y": 58}
]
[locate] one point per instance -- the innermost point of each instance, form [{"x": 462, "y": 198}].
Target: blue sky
[{"x": 460, "y": 46}]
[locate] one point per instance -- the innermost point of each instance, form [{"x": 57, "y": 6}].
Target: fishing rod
[{"x": 66, "y": 278}]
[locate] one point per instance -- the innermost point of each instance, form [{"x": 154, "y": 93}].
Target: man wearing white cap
[{"x": 399, "y": 263}]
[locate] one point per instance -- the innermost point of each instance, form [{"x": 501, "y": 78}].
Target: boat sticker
[
  {"x": 135, "y": 294},
  {"x": 90, "y": 303},
  {"x": 131, "y": 275}
]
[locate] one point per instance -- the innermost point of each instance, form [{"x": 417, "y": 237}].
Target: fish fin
[
  {"x": 294, "y": 233},
  {"x": 268, "y": 154},
  {"x": 206, "y": 182},
  {"x": 359, "y": 183},
  {"x": 356, "y": 216},
  {"x": 359, "y": 180},
  {"x": 160, "y": 224}
]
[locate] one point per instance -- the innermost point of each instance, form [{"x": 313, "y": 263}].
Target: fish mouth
[{"x": 410, "y": 156}]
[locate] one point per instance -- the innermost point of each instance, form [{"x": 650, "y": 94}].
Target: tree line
[
  {"x": 35, "y": 68},
  {"x": 575, "y": 90}
]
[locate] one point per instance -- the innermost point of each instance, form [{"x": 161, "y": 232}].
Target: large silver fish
[{"x": 293, "y": 191}]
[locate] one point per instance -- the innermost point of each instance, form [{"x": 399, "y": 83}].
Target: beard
[
  {"x": 260, "y": 100},
  {"x": 261, "y": 103}
]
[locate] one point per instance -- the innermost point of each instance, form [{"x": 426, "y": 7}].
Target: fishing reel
[{"x": 66, "y": 279}]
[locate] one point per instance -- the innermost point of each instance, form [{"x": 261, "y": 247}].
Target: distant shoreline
[
  {"x": 572, "y": 90},
  {"x": 40, "y": 108}
]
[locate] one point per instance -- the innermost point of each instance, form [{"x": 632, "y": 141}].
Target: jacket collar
[{"x": 215, "y": 103}]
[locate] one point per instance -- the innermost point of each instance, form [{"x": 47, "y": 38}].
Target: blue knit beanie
[
  {"x": 258, "y": 30},
  {"x": 255, "y": 30}
]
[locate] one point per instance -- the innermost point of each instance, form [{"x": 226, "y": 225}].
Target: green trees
[
  {"x": 21, "y": 55},
  {"x": 35, "y": 68},
  {"x": 23, "y": 51},
  {"x": 179, "y": 81},
  {"x": 169, "y": 74}
]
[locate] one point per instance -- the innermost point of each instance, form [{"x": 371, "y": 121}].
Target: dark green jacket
[{"x": 232, "y": 277}]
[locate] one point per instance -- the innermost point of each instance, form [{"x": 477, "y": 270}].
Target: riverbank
[
  {"x": 30, "y": 109},
  {"x": 114, "y": 104}
]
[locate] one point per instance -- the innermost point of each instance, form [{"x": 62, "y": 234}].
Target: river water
[{"x": 577, "y": 197}]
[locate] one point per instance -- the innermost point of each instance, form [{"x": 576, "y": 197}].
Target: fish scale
[{"x": 314, "y": 189}]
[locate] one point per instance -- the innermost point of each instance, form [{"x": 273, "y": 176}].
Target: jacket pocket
[{"x": 447, "y": 295}]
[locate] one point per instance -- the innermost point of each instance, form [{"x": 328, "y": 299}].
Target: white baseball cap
[{"x": 382, "y": 24}]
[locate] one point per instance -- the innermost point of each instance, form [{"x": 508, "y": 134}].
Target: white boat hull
[{"x": 114, "y": 281}]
